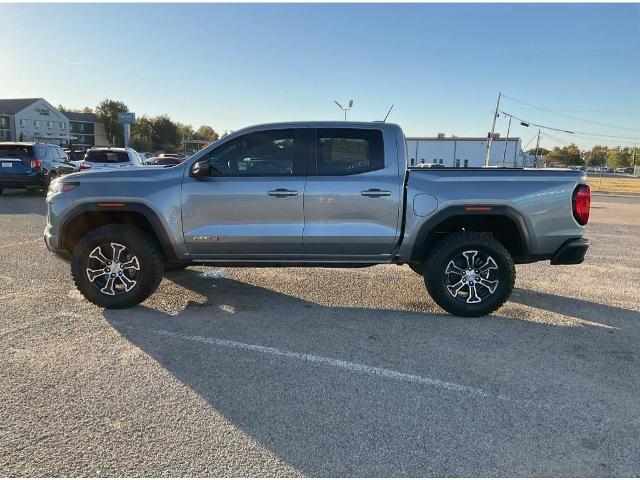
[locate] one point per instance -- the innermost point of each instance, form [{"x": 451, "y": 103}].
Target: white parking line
[{"x": 332, "y": 362}]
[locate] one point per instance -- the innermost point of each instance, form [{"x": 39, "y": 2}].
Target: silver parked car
[{"x": 106, "y": 158}]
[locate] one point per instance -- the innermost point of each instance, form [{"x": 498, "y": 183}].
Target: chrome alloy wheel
[
  {"x": 471, "y": 276},
  {"x": 112, "y": 268}
]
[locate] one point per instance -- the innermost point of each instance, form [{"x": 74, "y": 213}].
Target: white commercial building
[
  {"x": 467, "y": 151},
  {"x": 36, "y": 120},
  {"x": 33, "y": 119}
]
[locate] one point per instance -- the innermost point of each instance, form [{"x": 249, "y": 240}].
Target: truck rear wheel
[
  {"x": 116, "y": 266},
  {"x": 470, "y": 274}
]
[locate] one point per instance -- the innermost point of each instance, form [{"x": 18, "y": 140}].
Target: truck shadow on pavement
[
  {"x": 591, "y": 312},
  {"x": 527, "y": 388}
]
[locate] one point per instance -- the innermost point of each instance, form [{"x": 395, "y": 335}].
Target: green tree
[
  {"x": 63, "y": 109},
  {"x": 597, "y": 156},
  {"x": 138, "y": 143},
  {"x": 573, "y": 156},
  {"x": 569, "y": 155},
  {"x": 143, "y": 131},
  {"x": 108, "y": 111},
  {"x": 205, "y": 132},
  {"x": 541, "y": 151},
  {"x": 165, "y": 133},
  {"x": 619, "y": 157},
  {"x": 185, "y": 132}
]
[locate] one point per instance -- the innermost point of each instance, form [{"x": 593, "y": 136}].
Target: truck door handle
[
  {"x": 282, "y": 192},
  {"x": 375, "y": 193}
]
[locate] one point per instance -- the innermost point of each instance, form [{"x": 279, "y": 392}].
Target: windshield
[{"x": 106, "y": 156}]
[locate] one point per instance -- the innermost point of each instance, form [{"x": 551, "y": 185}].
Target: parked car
[
  {"x": 165, "y": 161},
  {"x": 172, "y": 155},
  {"x": 32, "y": 165},
  {"x": 621, "y": 170},
  {"x": 102, "y": 158},
  {"x": 330, "y": 194},
  {"x": 75, "y": 155}
]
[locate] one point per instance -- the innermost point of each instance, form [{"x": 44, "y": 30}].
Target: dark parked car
[{"x": 32, "y": 165}]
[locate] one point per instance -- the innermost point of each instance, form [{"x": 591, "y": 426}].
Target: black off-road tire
[
  {"x": 417, "y": 268},
  {"x": 453, "y": 245},
  {"x": 135, "y": 240}
]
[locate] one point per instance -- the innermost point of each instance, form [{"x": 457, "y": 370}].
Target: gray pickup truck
[{"x": 323, "y": 194}]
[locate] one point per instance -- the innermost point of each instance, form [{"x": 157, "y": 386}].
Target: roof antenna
[{"x": 387, "y": 115}]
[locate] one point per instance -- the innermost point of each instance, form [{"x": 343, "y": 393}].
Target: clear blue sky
[{"x": 234, "y": 65}]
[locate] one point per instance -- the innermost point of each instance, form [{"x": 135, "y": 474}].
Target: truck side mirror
[{"x": 203, "y": 169}]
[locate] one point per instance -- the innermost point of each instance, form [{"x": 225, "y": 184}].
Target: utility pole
[
  {"x": 634, "y": 158},
  {"x": 493, "y": 127},
  {"x": 537, "y": 145},
  {"x": 506, "y": 142}
]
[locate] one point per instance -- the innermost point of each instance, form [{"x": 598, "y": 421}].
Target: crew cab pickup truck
[{"x": 323, "y": 194}]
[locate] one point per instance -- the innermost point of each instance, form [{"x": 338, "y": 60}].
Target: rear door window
[
  {"x": 106, "y": 156},
  {"x": 53, "y": 153},
  {"x": 347, "y": 151},
  {"x": 61, "y": 154}
]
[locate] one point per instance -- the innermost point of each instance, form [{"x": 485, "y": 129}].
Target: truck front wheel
[
  {"x": 116, "y": 266},
  {"x": 469, "y": 274}
]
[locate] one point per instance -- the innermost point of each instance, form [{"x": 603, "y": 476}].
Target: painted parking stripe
[{"x": 332, "y": 362}]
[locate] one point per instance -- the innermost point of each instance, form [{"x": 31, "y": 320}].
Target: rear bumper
[
  {"x": 21, "y": 181},
  {"x": 571, "y": 253}
]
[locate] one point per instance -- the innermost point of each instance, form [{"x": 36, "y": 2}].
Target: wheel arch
[
  {"x": 504, "y": 222},
  {"x": 89, "y": 216}
]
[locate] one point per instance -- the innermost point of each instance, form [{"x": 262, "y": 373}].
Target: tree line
[
  {"x": 599, "y": 155},
  {"x": 150, "y": 134}
]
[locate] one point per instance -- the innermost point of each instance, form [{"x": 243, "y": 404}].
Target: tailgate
[{"x": 15, "y": 159}]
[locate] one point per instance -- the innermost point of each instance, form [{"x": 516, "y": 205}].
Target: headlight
[{"x": 58, "y": 185}]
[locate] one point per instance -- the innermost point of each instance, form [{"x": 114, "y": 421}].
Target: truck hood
[{"x": 138, "y": 174}]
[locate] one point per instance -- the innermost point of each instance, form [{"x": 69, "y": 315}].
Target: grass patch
[{"x": 614, "y": 185}]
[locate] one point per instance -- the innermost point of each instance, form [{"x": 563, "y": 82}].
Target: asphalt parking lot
[{"x": 320, "y": 372}]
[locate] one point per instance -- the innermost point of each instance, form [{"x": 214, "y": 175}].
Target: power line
[
  {"x": 587, "y": 137},
  {"x": 571, "y": 116},
  {"x": 526, "y": 123},
  {"x": 612, "y": 112},
  {"x": 532, "y": 139},
  {"x": 565, "y": 142}
]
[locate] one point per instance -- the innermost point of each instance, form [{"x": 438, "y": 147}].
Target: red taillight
[
  {"x": 36, "y": 164},
  {"x": 85, "y": 166},
  {"x": 581, "y": 204}
]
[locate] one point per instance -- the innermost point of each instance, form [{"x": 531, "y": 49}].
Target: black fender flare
[
  {"x": 113, "y": 207},
  {"x": 476, "y": 210}
]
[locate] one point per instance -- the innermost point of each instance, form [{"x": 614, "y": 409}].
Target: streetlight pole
[
  {"x": 493, "y": 127},
  {"x": 344, "y": 109}
]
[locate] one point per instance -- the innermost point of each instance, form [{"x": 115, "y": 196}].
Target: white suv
[{"x": 109, "y": 158}]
